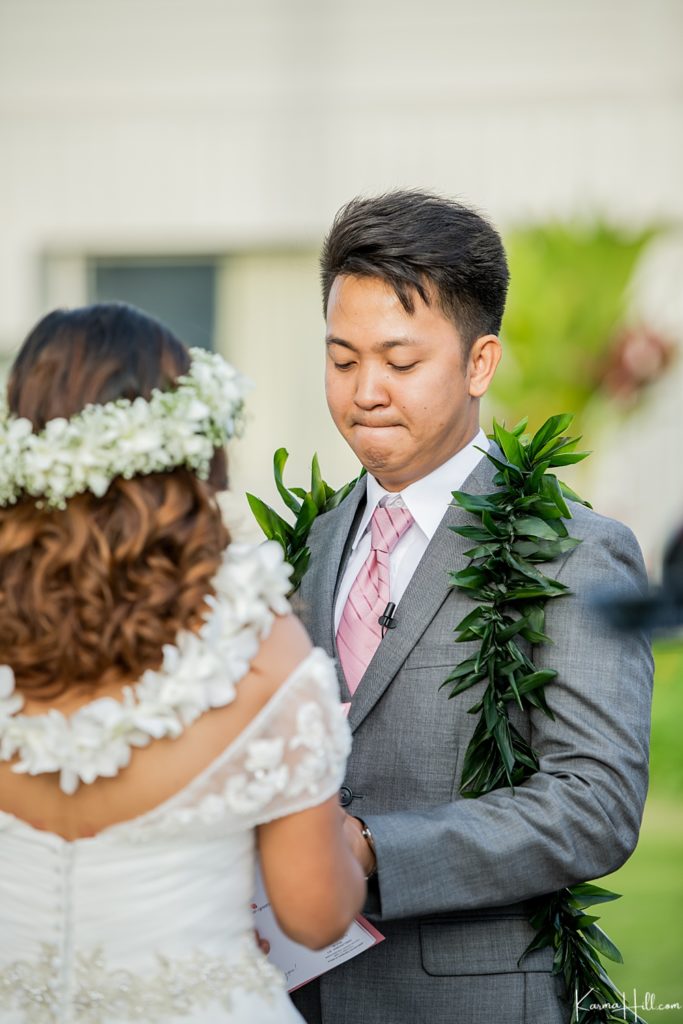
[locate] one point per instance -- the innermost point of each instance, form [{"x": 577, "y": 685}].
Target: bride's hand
[{"x": 362, "y": 850}]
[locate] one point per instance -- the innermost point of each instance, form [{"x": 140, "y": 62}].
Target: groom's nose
[{"x": 371, "y": 387}]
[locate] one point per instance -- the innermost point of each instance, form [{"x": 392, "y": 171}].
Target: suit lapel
[{"x": 424, "y": 595}]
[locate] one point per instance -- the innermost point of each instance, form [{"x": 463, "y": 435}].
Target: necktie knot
[{"x": 387, "y": 526}]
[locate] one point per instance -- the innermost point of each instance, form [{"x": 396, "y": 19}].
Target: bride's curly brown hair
[{"x": 90, "y": 594}]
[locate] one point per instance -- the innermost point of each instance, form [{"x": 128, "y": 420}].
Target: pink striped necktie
[{"x": 359, "y": 630}]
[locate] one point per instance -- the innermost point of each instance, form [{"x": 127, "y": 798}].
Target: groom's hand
[{"x": 363, "y": 852}]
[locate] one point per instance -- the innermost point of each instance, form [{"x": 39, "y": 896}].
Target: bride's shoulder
[
  {"x": 280, "y": 653},
  {"x": 199, "y": 672}
]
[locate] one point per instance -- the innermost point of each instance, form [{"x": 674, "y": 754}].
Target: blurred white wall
[{"x": 236, "y": 130}]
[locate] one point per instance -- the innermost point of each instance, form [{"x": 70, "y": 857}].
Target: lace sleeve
[{"x": 291, "y": 756}]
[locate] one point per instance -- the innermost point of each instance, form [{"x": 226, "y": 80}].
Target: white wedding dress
[{"x": 150, "y": 920}]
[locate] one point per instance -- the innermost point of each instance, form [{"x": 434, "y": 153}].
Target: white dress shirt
[{"x": 426, "y": 500}]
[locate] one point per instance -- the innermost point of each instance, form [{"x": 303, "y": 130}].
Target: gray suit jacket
[{"x": 455, "y": 875}]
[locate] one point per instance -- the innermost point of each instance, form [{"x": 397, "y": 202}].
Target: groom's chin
[
  {"x": 376, "y": 448},
  {"x": 374, "y": 460}
]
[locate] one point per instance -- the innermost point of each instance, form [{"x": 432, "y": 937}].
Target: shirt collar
[{"x": 427, "y": 499}]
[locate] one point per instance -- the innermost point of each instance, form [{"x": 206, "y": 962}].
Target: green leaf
[
  {"x": 472, "y": 533},
  {"x": 279, "y": 461},
  {"x": 478, "y": 616},
  {"x": 520, "y": 427},
  {"x": 545, "y": 550},
  {"x": 465, "y": 668},
  {"x": 535, "y": 637},
  {"x": 526, "y": 569},
  {"x": 506, "y": 632},
  {"x": 300, "y": 563},
  {"x": 501, "y": 732},
  {"x": 498, "y": 530},
  {"x": 585, "y": 894},
  {"x": 318, "y": 487},
  {"x": 572, "y": 495},
  {"x": 509, "y": 668},
  {"x": 551, "y": 588},
  {"x": 552, "y": 427},
  {"x": 568, "y": 460},
  {"x": 482, "y": 770},
  {"x": 536, "y": 679},
  {"x": 514, "y": 692},
  {"x": 559, "y": 444},
  {"x": 482, "y": 551},
  {"x": 510, "y": 445},
  {"x": 469, "y": 578},
  {"x": 307, "y": 516},
  {"x": 336, "y": 499},
  {"x": 475, "y": 503},
  {"x": 506, "y": 469},
  {"x": 468, "y": 635},
  {"x": 584, "y": 920},
  {"x": 536, "y": 478},
  {"x": 491, "y": 715},
  {"x": 551, "y": 488},
  {"x": 273, "y": 525},
  {"x": 486, "y": 643},
  {"x": 542, "y": 939},
  {"x": 468, "y": 665},
  {"x": 465, "y": 684},
  {"x": 539, "y": 506},
  {"x": 602, "y": 943},
  {"x": 523, "y": 502},
  {"x": 532, "y": 526}
]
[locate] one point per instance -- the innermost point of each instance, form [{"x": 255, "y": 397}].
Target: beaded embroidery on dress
[{"x": 150, "y": 919}]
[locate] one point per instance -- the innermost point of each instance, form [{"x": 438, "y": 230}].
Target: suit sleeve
[{"x": 579, "y": 816}]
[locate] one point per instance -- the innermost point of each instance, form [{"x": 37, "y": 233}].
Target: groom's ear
[{"x": 482, "y": 363}]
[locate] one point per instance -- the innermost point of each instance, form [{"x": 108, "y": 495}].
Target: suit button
[{"x": 345, "y": 796}]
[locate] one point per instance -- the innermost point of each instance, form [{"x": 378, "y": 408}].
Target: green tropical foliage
[
  {"x": 305, "y": 506},
  {"x": 569, "y": 295}
]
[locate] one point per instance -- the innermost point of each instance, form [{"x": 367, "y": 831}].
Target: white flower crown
[{"x": 181, "y": 427}]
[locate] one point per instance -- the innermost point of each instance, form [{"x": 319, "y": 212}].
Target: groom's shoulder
[
  {"x": 605, "y": 542},
  {"x": 587, "y": 522}
]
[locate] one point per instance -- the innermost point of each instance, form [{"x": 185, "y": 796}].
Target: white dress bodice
[{"x": 150, "y": 920}]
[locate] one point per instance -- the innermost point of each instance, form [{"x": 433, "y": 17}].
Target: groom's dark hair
[{"x": 413, "y": 239}]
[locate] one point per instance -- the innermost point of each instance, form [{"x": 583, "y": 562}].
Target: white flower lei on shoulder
[
  {"x": 180, "y": 427},
  {"x": 199, "y": 671}
]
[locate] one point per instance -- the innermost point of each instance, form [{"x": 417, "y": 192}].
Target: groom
[{"x": 414, "y": 288}]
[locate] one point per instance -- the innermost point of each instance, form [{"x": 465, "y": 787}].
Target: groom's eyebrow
[{"x": 381, "y": 346}]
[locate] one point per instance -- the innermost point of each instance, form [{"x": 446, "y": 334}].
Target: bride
[{"x": 163, "y": 717}]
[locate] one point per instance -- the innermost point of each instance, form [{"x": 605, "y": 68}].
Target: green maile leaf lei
[{"x": 520, "y": 526}]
